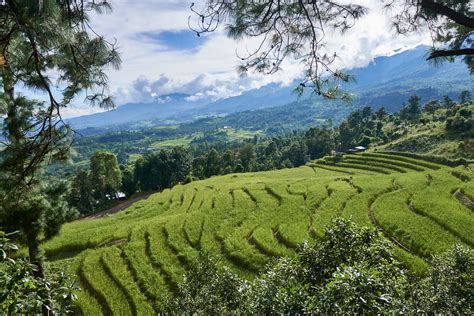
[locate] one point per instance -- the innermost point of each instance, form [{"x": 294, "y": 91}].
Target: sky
[{"x": 161, "y": 55}]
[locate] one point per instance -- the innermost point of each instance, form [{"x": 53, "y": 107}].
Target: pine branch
[
  {"x": 457, "y": 17},
  {"x": 451, "y": 52}
]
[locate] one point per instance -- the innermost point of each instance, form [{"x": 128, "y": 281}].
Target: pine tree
[{"x": 39, "y": 42}]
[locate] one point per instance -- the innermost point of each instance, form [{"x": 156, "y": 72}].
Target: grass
[
  {"x": 113, "y": 299},
  {"x": 170, "y": 143},
  {"x": 130, "y": 262}
]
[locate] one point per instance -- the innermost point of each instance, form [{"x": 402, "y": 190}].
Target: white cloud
[{"x": 210, "y": 71}]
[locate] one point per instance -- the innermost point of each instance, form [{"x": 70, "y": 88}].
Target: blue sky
[
  {"x": 162, "y": 55},
  {"x": 179, "y": 40}
]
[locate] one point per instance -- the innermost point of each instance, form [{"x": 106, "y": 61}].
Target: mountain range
[{"x": 387, "y": 81}]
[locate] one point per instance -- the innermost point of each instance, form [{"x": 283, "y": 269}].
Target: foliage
[
  {"x": 105, "y": 175},
  {"x": 44, "y": 45},
  {"x": 351, "y": 271},
  {"x": 24, "y": 293},
  {"x": 363, "y": 127},
  {"x": 80, "y": 195},
  {"x": 161, "y": 170},
  {"x": 37, "y": 214},
  {"x": 412, "y": 110},
  {"x": 461, "y": 121},
  {"x": 207, "y": 289},
  {"x": 296, "y": 30},
  {"x": 286, "y": 30},
  {"x": 449, "y": 286},
  {"x": 249, "y": 220},
  {"x": 465, "y": 97},
  {"x": 94, "y": 188}
]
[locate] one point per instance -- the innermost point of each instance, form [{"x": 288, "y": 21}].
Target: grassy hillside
[
  {"x": 128, "y": 262},
  {"x": 433, "y": 139}
]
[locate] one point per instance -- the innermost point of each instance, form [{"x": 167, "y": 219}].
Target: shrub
[
  {"x": 351, "y": 271},
  {"x": 207, "y": 289},
  {"x": 316, "y": 280},
  {"x": 21, "y": 292},
  {"x": 462, "y": 121},
  {"x": 449, "y": 286}
]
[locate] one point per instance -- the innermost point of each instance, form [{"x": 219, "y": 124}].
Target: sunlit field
[{"x": 129, "y": 262}]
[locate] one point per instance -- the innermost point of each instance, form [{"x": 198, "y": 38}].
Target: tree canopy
[
  {"x": 298, "y": 29},
  {"x": 46, "y": 46}
]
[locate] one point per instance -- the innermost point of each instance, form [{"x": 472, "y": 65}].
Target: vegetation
[
  {"x": 23, "y": 293},
  {"x": 297, "y": 30},
  {"x": 155, "y": 171},
  {"x": 248, "y": 220},
  {"x": 98, "y": 186},
  {"x": 133, "y": 262},
  {"x": 42, "y": 42},
  {"x": 351, "y": 271}
]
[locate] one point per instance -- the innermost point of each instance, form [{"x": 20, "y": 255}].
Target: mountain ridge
[{"x": 386, "y": 81}]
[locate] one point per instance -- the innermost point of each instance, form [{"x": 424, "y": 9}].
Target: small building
[{"x": 360, "y": 149}]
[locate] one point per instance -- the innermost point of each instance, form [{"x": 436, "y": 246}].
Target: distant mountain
[
  {"x": 387, "y": 81},
  {"x": 163, "y": 107}
]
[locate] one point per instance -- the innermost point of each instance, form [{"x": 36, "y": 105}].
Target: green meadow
[{"x": 129, "y": 262}]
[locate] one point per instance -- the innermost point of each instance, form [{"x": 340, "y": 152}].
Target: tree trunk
[
  {"x": 35, "y": 254},
  {"x": 14, "y": 133},
  {"x": 36, "y": 258}
]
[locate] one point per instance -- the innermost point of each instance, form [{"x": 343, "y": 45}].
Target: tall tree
[
  {"x": 431, "y": 107},
  {"x": 81, "y": 193},
  {"x": 181, "y": 164},
  {"x": 44, "y": 44},
  {"x": 412, "y": 110},
  {"x": 465, "y": 97},
  {"x": 447, "y": 102},
  {"x": 105, "y": 175}
]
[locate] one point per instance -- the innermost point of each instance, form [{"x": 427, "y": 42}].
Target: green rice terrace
[{"x": 128, "y": 262}]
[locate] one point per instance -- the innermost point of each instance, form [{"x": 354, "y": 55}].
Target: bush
[
  {"x": 449, "y": 287},
  {"x": 207, "y": 289},
  {"x": 462, "y": 121},
  {"x": 351, "y": 271},
  {"x": 316, "y": 280},
  {"x": 21, "y": 292}
]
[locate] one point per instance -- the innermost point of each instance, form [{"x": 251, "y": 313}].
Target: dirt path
[{"x": 119, "y": 207}]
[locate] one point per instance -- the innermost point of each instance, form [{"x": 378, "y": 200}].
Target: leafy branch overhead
[
  {"x": 50, "y": 46},
  {"x": 299, "y": 30}
]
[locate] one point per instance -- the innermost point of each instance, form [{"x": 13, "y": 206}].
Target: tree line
[{"x": 98, "y": 187}]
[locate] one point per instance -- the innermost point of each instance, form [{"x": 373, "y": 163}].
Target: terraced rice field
[{"x": 129, "y": 262}]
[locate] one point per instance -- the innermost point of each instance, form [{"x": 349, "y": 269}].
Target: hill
[
  {"x": 433, "y": 139},
  {"x": 127, "y": 262},
  {"x": 387, "y": 81}
]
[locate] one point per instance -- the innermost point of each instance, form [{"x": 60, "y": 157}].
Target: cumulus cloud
[
  {"x": 202, "y": 86},
  {"x": 161, "y": 55}
]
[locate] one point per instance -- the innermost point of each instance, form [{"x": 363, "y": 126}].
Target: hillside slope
[
  {"x": 433, "y": 139},
  {"x": 128, "y": 262}
]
